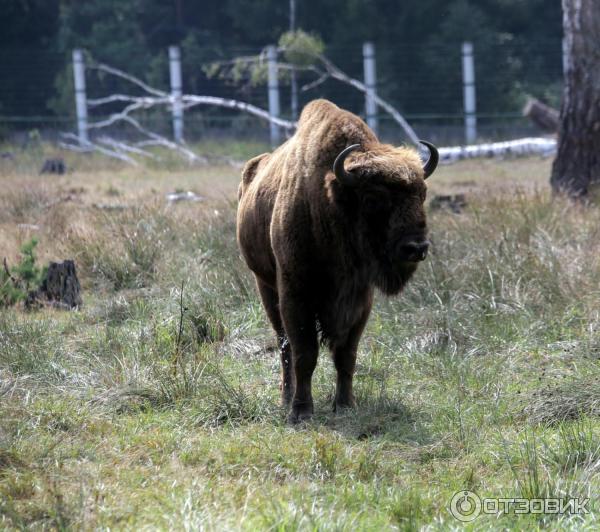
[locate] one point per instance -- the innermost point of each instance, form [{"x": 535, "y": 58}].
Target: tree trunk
[{"x": 577, "y": 162}]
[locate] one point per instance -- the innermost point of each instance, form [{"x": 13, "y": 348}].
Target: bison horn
[
  {"x": 346, "y": 178},
  {"x": 432, "y": 162}
]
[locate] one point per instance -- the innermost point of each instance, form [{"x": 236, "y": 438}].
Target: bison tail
[
  {"x": 250, "y": 168},
  {"x": 249, "y": 171}
]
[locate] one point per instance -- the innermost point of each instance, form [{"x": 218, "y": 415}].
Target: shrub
[{"x": 18, "y": 281}]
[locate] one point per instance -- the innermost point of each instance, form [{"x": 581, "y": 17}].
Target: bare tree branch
[
  {"x": 336, "y": 73},
  {"x": 313, "y": 84},
  {"x": 7, "y": 271},
  {"x": 139, "y": 103},
  {"x": 132, "y": 79},
  {"x": 94, "y": 102},
  {"x": 92, "y": 146},
  {"x": 123, "y": 146},
  {"x": 325, "y": 69},
  {"x": 163, "y": 141},
  {"x": 192, "y": 101},
  {"x": 120, "y": 149}
]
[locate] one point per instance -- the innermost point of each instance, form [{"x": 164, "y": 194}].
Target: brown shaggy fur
[{"x": 318, "y": 247}]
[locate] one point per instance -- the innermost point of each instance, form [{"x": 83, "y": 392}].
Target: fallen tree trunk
[
  {"x": 542, "y": 115},
  {"x": 512, "y": 148}
]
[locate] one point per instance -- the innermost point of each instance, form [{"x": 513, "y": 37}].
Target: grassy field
[{"x": 155, "y": 409}]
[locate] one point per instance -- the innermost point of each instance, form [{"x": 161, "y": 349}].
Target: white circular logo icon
[{"x": 465, "y": 506}]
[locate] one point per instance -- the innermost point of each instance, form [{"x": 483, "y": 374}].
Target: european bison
[{"x": 322, "y": 220}]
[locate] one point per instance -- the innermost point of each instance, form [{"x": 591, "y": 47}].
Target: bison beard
[{"x": 322, "y": 220}]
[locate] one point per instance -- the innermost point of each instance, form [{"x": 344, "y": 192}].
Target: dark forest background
[{"x": 517, "y": 48}]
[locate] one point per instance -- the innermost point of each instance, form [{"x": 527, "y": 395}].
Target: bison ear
[
  {"x": 432, "y": 162},
  {"x": 348, "y": 179}
]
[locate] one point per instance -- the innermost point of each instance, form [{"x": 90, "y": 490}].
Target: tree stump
[
  {"x": 53, "y": 166},
  {"x": 542, "y": 115},
  {"x": 60, "y": 288},
  {"x": 454, "y": 203}
]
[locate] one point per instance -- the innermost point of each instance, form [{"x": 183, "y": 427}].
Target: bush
[{"x": 18, "y": 281}]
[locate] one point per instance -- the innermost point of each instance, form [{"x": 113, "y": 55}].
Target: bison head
[{"x": 385, "y": 188}]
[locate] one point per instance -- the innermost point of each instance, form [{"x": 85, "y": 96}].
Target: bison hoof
[
  {"x": 343, "y": 403},
  {"x": 300, "y": 413}
]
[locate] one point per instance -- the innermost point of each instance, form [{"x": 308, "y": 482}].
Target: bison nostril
[{"x": 415, "y": 251}]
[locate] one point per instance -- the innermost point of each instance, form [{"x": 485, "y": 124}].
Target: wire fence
[{"x": 425, "y": 84}]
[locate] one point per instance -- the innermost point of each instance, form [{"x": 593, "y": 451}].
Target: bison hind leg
[{"x": 270, "y": 301}]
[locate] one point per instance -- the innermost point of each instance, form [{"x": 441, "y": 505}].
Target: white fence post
[
  {"x": 273, "y": 94},
  {"x": 176, "y": 88},
  {"x": 80, "y": 97},
  {"x": 371, "y": 84},
  {"x": 565, "y": 56},
  {"x": 470, "y": 106},
  {"x": 293, "y": 80}
]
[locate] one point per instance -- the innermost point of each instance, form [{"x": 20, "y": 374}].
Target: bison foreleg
[{"x": 344, "y": 358}]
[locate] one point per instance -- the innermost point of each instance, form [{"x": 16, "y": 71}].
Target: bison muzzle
[{"x": 323, "y": 220}]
